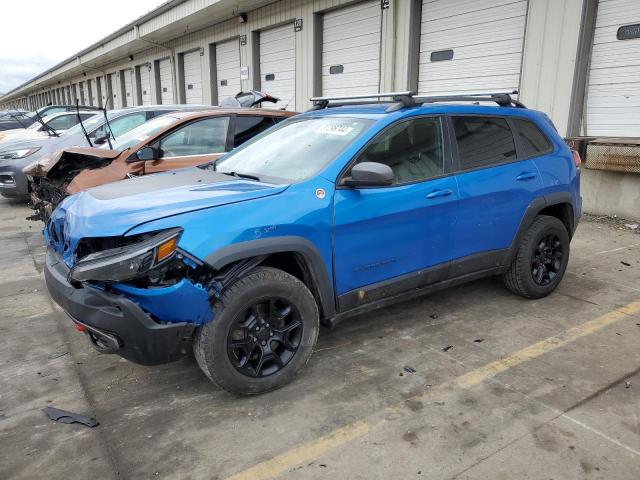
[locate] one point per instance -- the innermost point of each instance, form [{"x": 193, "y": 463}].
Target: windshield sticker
[{"x": 339, "y": 130}]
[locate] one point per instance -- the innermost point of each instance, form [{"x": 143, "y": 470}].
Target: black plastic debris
[
  {"x": 447, "y": 348},
  {"x": 63, "y": 416},
  {"x": 479, "y": 340},
  {"x": 625, "y": 263},
  {"x": 434, "y": 315},
  {"x": 409, "y": 369}
]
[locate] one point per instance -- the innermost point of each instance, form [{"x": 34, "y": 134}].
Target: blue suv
[{"x": 331, "y": 213}]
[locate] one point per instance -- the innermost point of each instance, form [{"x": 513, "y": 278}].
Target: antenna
[
  {"x": 86, "y": 135},
  {"x": 106, "y": 120}
]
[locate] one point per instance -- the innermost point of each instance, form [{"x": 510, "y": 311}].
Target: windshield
[
  {"x": 142, "y": 132},
  {"x": 89, "y": 125},
  {"x": 295, "y": 150}
]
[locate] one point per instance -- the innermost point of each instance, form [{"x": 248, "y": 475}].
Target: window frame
[
  {"x": 227, "y": 145},
  {"x": 456, "y": 152},
  {"x": 447, "y": 154},
  {"x": 520, "y": 147}
]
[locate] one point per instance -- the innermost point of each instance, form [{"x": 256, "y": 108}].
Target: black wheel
[
  {"x": 262, "y": 333},
  {"x": 541, "y": 259}
]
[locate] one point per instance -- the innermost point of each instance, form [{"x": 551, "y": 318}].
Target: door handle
[
  {"x": 526, "y": 176},
  {"x": 440, "y": 193}
]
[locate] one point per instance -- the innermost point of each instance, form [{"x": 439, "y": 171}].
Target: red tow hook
[{"x": 81, "y": 328}]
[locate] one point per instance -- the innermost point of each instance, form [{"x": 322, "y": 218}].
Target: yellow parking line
[
  {"x": 312, "y": 450},
  {"x": 304, "y": 453}
]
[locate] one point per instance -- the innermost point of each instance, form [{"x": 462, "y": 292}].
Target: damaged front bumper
[{"x": 115, "y": 323}]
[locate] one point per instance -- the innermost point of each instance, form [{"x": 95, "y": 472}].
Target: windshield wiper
[{"x": 242, "y": 175}]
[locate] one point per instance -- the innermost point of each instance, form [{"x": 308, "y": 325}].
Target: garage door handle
[
  {"x": 526, "y": 176},
  {"x": 440, "y": 193}
]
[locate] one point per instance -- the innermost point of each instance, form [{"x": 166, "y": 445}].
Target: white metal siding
[
  {"x": 351, "y": 39},
  {"x": 166, "y": 81},
  {"x": 113, "y": 90},
  {"x": 145, "y": 85},
  {"x": 228, "y": 68},
  {"x": 278, "y": 65},
  {"x": 487, "y": 41},
  {"x": 192, "y": 77},
  {"x": 128, "y": 88},
  {"x": 613, "y": 95}
]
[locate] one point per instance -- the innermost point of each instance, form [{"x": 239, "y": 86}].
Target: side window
[
  {"x": 483, "y": 141},
  {"x": 203, "y": 137},
  {"x": 249, "y": 126},
  {"x": 413, "y": 149},
  {"x": 533, "y": 141},
  {"x": 63, "y": 122},
  {"x": 127, "y": 122}
]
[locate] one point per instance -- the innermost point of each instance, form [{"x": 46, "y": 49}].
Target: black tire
[
  {"x": 534, "y": 272},
  {"x": 261, "y": 286}
]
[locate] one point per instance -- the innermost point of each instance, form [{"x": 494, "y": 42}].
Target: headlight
[
  {"x": 22, "y": 153},
  {"x": 126, "y": 263}
]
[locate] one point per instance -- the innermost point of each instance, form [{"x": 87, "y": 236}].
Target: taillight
[{"x": 576, "y": 158}]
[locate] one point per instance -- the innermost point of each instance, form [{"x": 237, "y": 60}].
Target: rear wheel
[
  {"x": 541, "y": 259},
  {"x": 262, "y": 333}
]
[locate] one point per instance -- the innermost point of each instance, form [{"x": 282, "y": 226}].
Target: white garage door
[
  {"x": 471, "y": 46},
  {"x": 166, "y": 81},
  {"x": 228, "y": 68},
  {"x": 613, "y": 96},
  {"x": 192, "y": 77},
  {"x": 113, "y": 91},
  {"x": 145, "y": 84},
  {"x": 278, "y": 65},
  {"x": 128, "y": 88},
  {"x": 351, "y": 50}
]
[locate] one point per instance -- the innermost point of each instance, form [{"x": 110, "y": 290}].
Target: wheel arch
[
  {"x": 559, "y": 205},
  {"x": 295, "y": 255}
]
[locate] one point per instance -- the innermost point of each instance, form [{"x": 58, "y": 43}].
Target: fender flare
[
  {"x": 534, "y": 208},
  {"x": 265, "y": 246}
]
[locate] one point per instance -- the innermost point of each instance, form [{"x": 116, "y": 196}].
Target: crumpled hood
[
  {"x": 43, "y": 166},
  {"x": 115, "y": 208}
]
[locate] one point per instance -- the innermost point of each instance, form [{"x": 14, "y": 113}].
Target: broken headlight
[
  {"x": 20, "y": 153},
  {"x": 126, "y": 263}
]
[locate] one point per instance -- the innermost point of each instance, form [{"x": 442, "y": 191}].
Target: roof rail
[
  {"x": 503, "y": 99},
  {"x": 402, "y": 99},
  {"x": 408, "y": 99}
]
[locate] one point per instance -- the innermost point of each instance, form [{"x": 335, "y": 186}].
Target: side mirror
[
  {"x": 369, "y": 174},
  {"x": 147, "y": 153},
  {"x": 100, "y": 140}
]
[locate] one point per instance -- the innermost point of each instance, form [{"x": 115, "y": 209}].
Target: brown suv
[{"x": 171, "y": 141}]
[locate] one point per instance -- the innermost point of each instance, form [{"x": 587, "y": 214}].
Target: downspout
[{"x": 172, "y": 57}]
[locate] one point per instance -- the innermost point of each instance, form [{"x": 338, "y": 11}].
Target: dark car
[{"x": 19, "y": 119}]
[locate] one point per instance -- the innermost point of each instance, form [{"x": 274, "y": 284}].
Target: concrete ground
[{"x": 503, "y": 388}]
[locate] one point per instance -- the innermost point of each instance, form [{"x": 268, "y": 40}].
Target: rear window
[
  {"x": 483, "y": 141},
  {"x": 533, "y": 141}
]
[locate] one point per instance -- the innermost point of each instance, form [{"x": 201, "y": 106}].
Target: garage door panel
[
  {"x": 228, "y": 68},
  {"x": 278, "y": 65},
  {"x": 363, "y": 53},
  {"x": 192, "y": 77},
  {"x": 443, "y": 9},
  {"x": 166, "y": 81},
  {"x": 360, "y": 68},
  {"x": 369, "y": 10},
  {"x": 145, "y": 85},
  {"x": 613, "y": 93},
  {"x": 487, "y": 42},
  {"x": 128, "y": 88}
]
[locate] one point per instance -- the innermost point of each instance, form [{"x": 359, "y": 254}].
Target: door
[
  {"x": 192, "y": 77},
  {"x": 278, "y": 65},
  {"x": 90, "y": 92},
  {"x": 166, "y": 81},
  {"x": 351, "y": 50},
  {"x": 98, "y": 99},
  {"x": 127, "y": 90},
  {"x": 145, "y": 84},
  {"x": 470, "y": 47},
  {"x": 389, "y": 239},
  {"x": 193, "y": 144},
  {"x": 112, "y": 99},
  {"x": 228, "y": 69},
  {"x": 614, "y": 73},
  {"x": 495, "y": 190}
]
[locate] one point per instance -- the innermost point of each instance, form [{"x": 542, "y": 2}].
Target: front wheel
[
  {"x": 263, "y": 332},
  {"x": 541, "y": 260}
]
